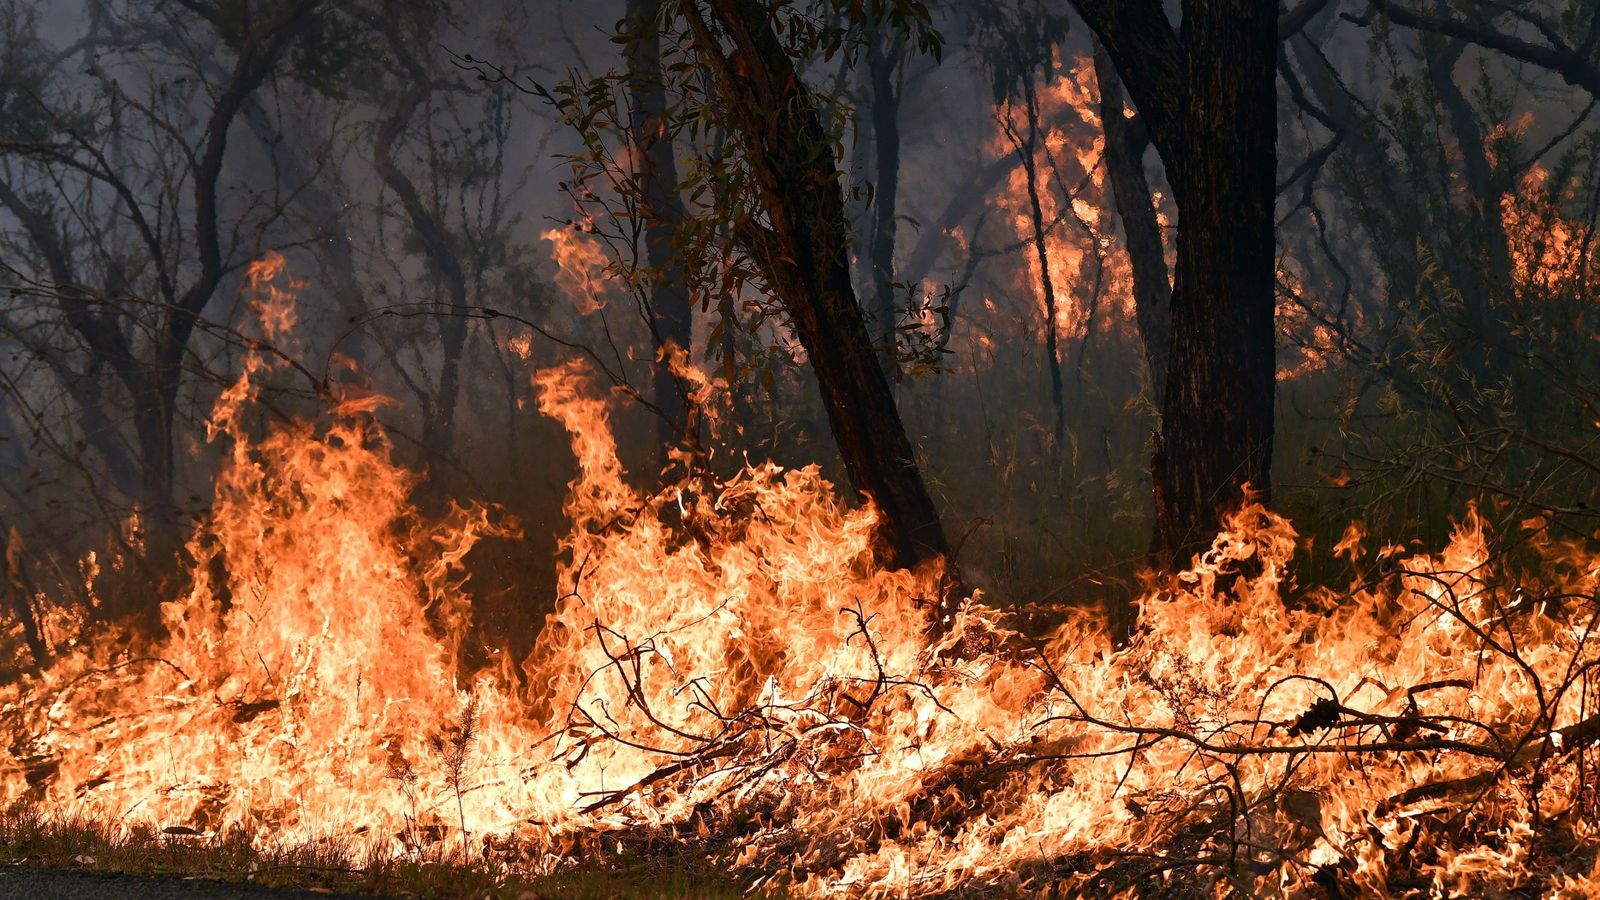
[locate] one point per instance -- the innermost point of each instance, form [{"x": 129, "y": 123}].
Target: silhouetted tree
[
  {"x": 802, "y": 248},
  {"x": 1206, "y": 92}
]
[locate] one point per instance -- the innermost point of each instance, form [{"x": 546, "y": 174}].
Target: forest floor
[{"x": 40, "y": 858}]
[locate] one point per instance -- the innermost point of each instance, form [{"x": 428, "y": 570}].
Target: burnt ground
[{"x": 29, "y": 883}]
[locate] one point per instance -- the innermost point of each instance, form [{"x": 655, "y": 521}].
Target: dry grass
[{"x": 30, "y": 837}]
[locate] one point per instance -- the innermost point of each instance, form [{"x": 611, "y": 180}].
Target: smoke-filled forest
[{"x": 790, "y": 447}]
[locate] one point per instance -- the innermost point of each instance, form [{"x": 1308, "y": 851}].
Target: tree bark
[
  {"x": 671, "y": 317},
  {"x": 1208, "y": 97},
  {"x": 803, "y": 252},
  {"x": 1126, "y": 143}
]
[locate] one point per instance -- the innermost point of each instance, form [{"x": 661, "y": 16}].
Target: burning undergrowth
[{"x": 727, "y": 670}]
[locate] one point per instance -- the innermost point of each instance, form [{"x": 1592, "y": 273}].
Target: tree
[
  {"x": 1569, "y": 44},
  {"x": 131, "y": 271},
  {"x": 885, "y": 56},
  {"x": 764, "y": 223},
  {"x": 1023, "y": 39},
  {"x": 1207, "y": 95},
  {"x": 802, "y": 249},
  {"x": 671, "y": 318},
  {"x": 1126, "y": 142}
]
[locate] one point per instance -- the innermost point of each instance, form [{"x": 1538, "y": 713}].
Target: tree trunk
[
  {"x": 1027, "y": 150},
  {"x": 20, "y": 591},
  {"x": 671, "y": 317},
  {"x": 438, "y": 436},
  {"x": 1488, "y": 254},
  {"x": 1217, "y": 418},
  {"x": 1152, "y": 287},
  {"x": 1208, "y": 97},
  {"x": 804, "y": 254}
]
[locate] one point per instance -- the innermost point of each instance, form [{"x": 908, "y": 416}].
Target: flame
[
  {"x": 273, "y": 296},
  {"x": 580, "y": 267},
  {"x": 1082, "y": 243},
  {"x": 1549, "y": 250},
  {"x": 728, "y": 658}
]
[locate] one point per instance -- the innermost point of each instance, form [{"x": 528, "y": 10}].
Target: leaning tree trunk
[
  {"x": 1208, "y": 97},
  {"x": 804, "y": 255},
  {"x": 671, "y": 317}
]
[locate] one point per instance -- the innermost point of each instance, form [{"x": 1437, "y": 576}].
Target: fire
[
  {"x": 1088, "y": 268},
  {"x": 580, "y": 267},
  {"x": 1549, "y": 250},
  {"x": 272, "y": 295},
  {"x": 728, "y": 659}
]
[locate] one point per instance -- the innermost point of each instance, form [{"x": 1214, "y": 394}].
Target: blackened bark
[
  {"x": 803, "y": 251},
  {"x": 1126, "y": 142},
  {"x": 1208, "y": 97},
  {"x": 672, "y": 319}
]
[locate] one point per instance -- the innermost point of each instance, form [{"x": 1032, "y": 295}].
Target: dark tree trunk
[
  {"x": 1217, "y": 418},
  {"x": 155, "y": 416},
  {"x": 804, "y": 254},
  {"x": 1488, "y": 252},
  {"x": 1208, "y": 97},
  {"x": 672, "y": 319},
  {"x": 1126, "y": 142},
  {"x": 20, "y": 591},
  {"x": 1027, "y": 150}
]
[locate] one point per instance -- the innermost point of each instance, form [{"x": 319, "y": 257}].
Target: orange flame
[
  {"x": 581, "y": 268},
  {"x": 272, "y": 295}
]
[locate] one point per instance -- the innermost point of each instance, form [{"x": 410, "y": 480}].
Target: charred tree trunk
[
  {"x": 1027, "y": 152},
  {"x": 1126, "y": 142},
  {"x": 671, "y": 318},
  {"x": 803, "y": 252},
  {"x": 1208, "y": 97}
]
